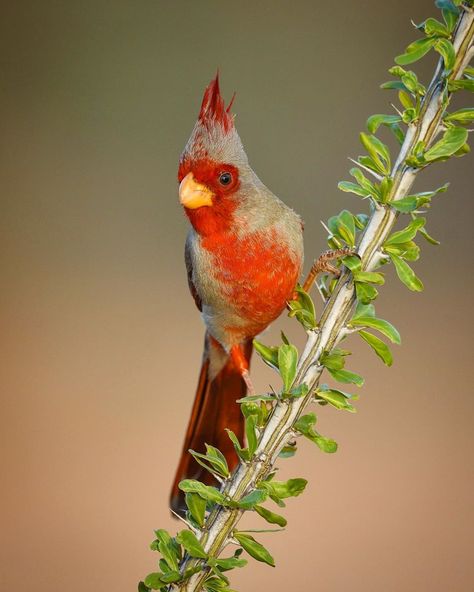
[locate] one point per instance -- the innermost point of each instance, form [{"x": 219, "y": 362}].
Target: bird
[{"x": 243, "y": 255}]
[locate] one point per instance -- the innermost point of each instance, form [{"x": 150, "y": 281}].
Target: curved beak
[{"x": 192, "y": 194}]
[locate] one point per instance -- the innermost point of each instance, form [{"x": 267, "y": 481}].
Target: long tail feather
[{"x": 214, "y": 409}]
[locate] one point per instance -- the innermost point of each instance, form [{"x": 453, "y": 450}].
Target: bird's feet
[
  {"x": 240, "y": 361},
  {"x": 323, "y": 265}
]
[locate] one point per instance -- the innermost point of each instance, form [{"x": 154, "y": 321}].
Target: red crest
[{"x": 213, "y": 109}]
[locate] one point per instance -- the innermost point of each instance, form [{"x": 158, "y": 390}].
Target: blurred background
[{"x": 101, "y": 342}]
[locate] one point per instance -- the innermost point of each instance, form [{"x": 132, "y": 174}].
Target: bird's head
[{"x": 214, "y": 175}]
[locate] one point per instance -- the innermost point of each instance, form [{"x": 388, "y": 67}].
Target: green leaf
[
  {"x": 303, "y": 309},
  {"x": 349, "y": 187},
  {"x": 168, "y": 548},
  {"x": 211, "y": 494},
  {"x": 445, "y": 48},
  {"x": 378, "y": 152},
  {"x": 271, "y": 517},
  {"x": 287, "y": 451},
  {"x": 347, "y": 377},
  {"x": 384, "y": 327},
  {"x": 428, "y": 238},
  {"x": 415, "y": 51},
  {"x": 305, "y": 424},
  {"x": 227, "y": 563},
  {"x": 371, "y": 277},
  {"x": 190, "y": 542},
  {"x": 406, "y": 204},
  {"x": 154, "y": 581},
  {"x": 170, "y": 577},
  {"x": 254, "y": 549},
  {"x": 256, "y": 398},
  {"x": 375, "y": 121},
  {"x": 347, "y": 226},
  {"x": 379, "y": 347},
  {"x": 352, "y": 262},
  {"x": 196, "y": 506},
  {"x": 365, "y": 292},
  {"x": 284, "y": 489},
  {"x": 287, "y": 362},
  {"x": 409, "y": 251},
  {"x": 214, "y": 461},
  {"x": 242, "y": 453},
  {"x": 454, "y": 85},
  {"x": 433, "y": 28},
  {"x": 407, "y": 234},
  {"x": 249, "y": 501},
  {"x": 142, "y": 587},
  {"x": 452, "y": 140},
  {"x": 336, "y": 398},
  {"x": 250, "y": 426},
  {"x": 406, "y": 274},
  {"x": 326, "y": 444},
  {"x": 268, "y": 354}
]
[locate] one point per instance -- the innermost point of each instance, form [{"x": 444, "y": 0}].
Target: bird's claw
[{"x": 323, "y": 265}]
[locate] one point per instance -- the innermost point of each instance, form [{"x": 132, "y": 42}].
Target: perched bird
[{"x": 244, "y": 255}]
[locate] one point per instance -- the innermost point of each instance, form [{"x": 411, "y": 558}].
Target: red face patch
[{"x": 223, "y": 181}]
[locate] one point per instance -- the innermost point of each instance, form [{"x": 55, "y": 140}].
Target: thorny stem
[{"x": 219, "y": 526}]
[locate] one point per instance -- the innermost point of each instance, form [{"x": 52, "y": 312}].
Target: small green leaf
[
  {"x": 450, "y": 12},
  {"x": 249, "y": 501},
  {"x": 445, "y": 48},
  {"x": 227, "y": 563},
  {"x": 250, "y": 427},
  {"x": 303, "y": 309},
  {"x": 268, "y": 354},
  {"x": 168, "y": 548},
  {"x": 349, "y": 187},
  {"x": 365, "y": 293},
  {"x": 371, "y": 277},
  {"x": 170, "y": 577},
  {"x": 409, "y": 251},
  {"x": 406, "y": 274},
  {"x": 256, "y": 398},
  {"x": 242, "y": 453},
  {"x": 407, "y": 234},
  {"x": 378, "y": 152},
  {"x": 384, "y": 327},
  {"x": 284, "y": 489},
  {"x": 379, "y": 347},
  {"x": 154, "y": 581},
  {"x": 347, "y": 377},
  {"x": 415, "y": 51},
  {"x": 406, "y": 204},
  {"x": 428, "y": 238},
  {"x": 352, "y": 262},
  {"x": 452, "y": 140},
  {"x": 287, "y": 362},
  {"x": 375, "y": 121},
  {"x": 305, "y": 423},
  {"x": 196, "y": 506},
  {"x": 463, "y": 84},
  {"x": 207, "y": 492},
  {"x": 326, "y": 444},
  {"x": 142, "y": 587},
  {"x": 271, "y": 517},
  {"x": 336, "y": 398},
  {"x": 433, "y": 28},
  {"x": 190, "y": 542},
  {"x": 254, "y": 549}
]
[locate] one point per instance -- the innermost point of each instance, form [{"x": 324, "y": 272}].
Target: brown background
[{"x": 101, "y": 342}]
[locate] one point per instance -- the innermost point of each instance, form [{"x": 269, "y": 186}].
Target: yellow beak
[{"x": 194, "y": 195}]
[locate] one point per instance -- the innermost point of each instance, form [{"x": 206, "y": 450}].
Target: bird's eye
[{"x": 225, "y": 178}]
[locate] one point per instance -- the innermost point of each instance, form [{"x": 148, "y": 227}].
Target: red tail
[{"x": 214, "y": 409}]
